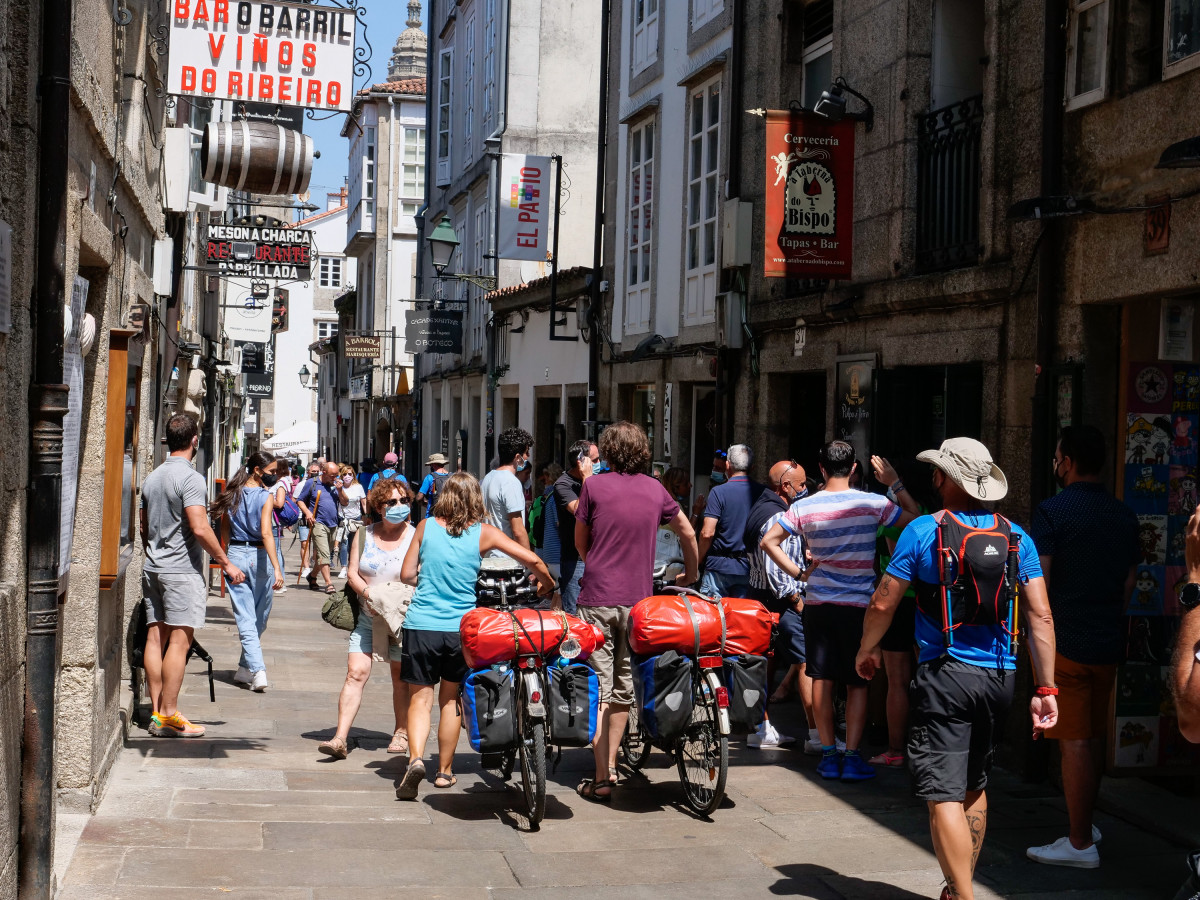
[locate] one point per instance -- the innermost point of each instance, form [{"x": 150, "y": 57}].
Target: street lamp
[
  {"x": 832, "y": 104},
  {"x": 442, "y": 244},
  {"x": 305, "y": 375}
]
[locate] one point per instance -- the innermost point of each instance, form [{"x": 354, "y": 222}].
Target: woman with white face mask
[
  {"x": 351, "y": 515},
  {"x": 376, "y": 557}
]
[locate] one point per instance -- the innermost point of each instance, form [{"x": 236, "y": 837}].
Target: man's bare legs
[
  {"x": 610, "y": 728},
  {"x": 899, "y": 668},
  {"x": 1082, "y": 766},
  {"x": 958, "y": 830},
  {"x": 164, "y": 660}
]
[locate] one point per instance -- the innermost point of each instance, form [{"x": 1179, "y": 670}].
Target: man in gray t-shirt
[
  {"x": 503, "y": 493},
  {"x": 175, "y": 534}
]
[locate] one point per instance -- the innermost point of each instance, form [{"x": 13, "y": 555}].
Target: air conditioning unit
[{"x": 729, "y": 320}]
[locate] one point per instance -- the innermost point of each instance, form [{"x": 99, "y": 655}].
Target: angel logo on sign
[{"x": 811, "y": 200}]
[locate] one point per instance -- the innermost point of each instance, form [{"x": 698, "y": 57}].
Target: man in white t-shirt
[{"x": 503, "y": 492}]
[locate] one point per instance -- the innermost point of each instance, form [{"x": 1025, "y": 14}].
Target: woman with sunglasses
[{"x": 376, "y": 557}]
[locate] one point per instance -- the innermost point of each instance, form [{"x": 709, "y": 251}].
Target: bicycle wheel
[
  {"x": 635, "y": 744},
  {"x": 533, "y": 769},
  {"x": 702, "y": 755}
]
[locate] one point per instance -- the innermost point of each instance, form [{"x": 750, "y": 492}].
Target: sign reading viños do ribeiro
[
  {"x": 809, "y": 196},
  {"x": 290, "y": 54}
]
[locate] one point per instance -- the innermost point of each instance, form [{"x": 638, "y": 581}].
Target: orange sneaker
[{"x": 175, "y": 726}]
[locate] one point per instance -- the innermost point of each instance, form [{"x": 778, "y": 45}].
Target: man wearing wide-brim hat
[
  {"x": 964, "y": 682},
  {"x": 433, "y": 481}
]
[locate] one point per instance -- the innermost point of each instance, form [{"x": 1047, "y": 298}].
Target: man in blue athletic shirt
[{"x": 962, "y": 691}]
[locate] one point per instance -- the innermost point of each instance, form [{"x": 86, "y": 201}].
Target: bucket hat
[
  {"x": 436, "y": 459},
  {"x": 968, "y": 463}
]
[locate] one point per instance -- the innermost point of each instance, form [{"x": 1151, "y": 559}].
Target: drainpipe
[
  {"x": 392, "y": 195},
  {"x": 47, "y": 405},
  {"x": 430, "y": 139},
  {"x": 495, "y": 140},
  {"x": 595, "y": 317}
]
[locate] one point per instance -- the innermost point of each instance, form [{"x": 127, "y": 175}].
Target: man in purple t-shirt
[{"x": 616, "y": 523}]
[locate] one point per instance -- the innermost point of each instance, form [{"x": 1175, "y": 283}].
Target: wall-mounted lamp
[{"x": 832, "y": 104}]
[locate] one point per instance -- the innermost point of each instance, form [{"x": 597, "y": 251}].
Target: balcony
[{"x": 948, "y": 178}]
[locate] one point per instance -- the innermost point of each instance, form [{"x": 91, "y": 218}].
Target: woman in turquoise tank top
[{"x": 443, "y": 563}]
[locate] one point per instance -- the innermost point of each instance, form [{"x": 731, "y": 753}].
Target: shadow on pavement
[{"x": 805, "y": 880}]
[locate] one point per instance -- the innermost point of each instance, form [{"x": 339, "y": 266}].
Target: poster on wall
[
  {"x": 525, "y": 207},
  {"x": 809, "y": 199},
  {"x": 1175, "y": 323},
  {"x": 856, "y": 405}
]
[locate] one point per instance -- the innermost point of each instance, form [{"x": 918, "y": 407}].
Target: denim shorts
[{"x": 362, "y": 635}]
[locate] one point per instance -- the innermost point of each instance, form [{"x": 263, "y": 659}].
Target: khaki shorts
[
  {"x": 322, "y": 544},
  {"x": 179, "y": 600},
  {"x": 611, "y": 661},
  {"x": 1084, "y": 696}
]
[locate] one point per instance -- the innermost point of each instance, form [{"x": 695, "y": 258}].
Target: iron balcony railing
[{"x": 948, "y": 178}]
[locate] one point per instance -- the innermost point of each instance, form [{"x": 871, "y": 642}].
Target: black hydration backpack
[{"x": 977, "y": 576}]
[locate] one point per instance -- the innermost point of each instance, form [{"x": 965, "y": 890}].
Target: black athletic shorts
[
  {"x": 957, "y": 718},
  {"x": 901, "y": 634},
  {"x": 427, "y": 657},
  {"x": 832, "y": 635}
]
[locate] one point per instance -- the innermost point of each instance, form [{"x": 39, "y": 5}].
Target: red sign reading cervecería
[{"x": 809, "y": 196}]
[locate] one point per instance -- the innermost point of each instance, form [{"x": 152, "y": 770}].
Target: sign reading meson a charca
[
  {"x": 809, "y": 196},
  {"x": 293, "y": 54},
  {"x": 259, "y": 251}
]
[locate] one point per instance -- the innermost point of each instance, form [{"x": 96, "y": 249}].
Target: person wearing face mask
[
  {"x": 350, "y": 516},
  {"x": 376, "y": 557},
  {"x": 246, "y": 509},
  {"x": 326, "y": 497},
  {"x": 720, "y": 469},
  {"x": 503, "y": 491},
  {"x": 679, "y": 486},
  {"x": 585, "y": 461},
  {"x": 175, "y": 535},
  {"x": 313, "y": 473},
  {"x": 726, "y": 563}
]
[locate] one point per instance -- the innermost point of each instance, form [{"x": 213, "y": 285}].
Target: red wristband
[{"x": 1046, "y": 691}]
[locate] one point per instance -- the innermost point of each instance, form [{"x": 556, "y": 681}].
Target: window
[
  {"x": 700, "y": 250},
  {"x": 479, "y": 307},
  {"x": 412, "y": 177},
  {"x": 817, "y": 57},
  {"x": 641, "y": 220},
  {"x": 469, "y": 91},
  {"x": 445, "y": 69},
  {"x": 704, "y": 11},
  {"x": 330, "y": 272},
  {"x": 645, "y": 34},
  {"x": 489, "y": 63},
  {"x": 368, "y": 192},
  {"x": 1087, "y": 52},
  {"x": 1181, "y": 42},
  {"x": 326, "y": 330},
  {"x": 409, "y": 207}
]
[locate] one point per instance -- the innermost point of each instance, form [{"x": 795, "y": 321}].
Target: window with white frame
[
  {"x": 639, "y": 237},
  {"x": 1181, "y": 37},
  {"x": 368, "y": 190},
  {"x": 703, "y": 198},
  {"x": 704, "y": 11},
  {"x": 412, "y": 176},
  {"x": 445, "y": 72},
  {"x": 468, "y": 99},
  {"x": 489, "y": 63},
  {"x": 1087, "y": 52},
  {"x": 645, "y": 34},
  {"x": 817, "y": 59},
  {"x": 326, "y": 330},
  {"x": 330, "y": 272}
]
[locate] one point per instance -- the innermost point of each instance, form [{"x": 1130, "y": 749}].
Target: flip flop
[
  {"x": 444, "y": 780},
  {"x": 399, "y": 743},
  {"x": 330, "y": 589},
  {"x": 588, "y": 790},
  {"x": 334, "y": 747},
  {"x": 411, "y": 783}
]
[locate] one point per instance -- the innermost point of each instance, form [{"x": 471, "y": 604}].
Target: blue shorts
[
  {"x": 304, "y": 530},
  {"x": 362, "y": 635},
  {"x": 789, "y": 644}
]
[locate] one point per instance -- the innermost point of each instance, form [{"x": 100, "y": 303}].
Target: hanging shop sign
[
  {"x": 809, "y": 196},
  {"x": 259, "y": 384},
  {"x": 361, "y": 346},
  {"x": 525, "y": 207},
  {"x": 248, "y": 250},
  {"x": 433, "y": 331},
  {"x": 288, "y": 54},
  {"x": 360, "y": 386},
  {"x": 855, "y": 403}
]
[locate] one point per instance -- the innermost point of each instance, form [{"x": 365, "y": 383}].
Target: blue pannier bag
[
  {"x": 489, "y": 701},
  {"x": 663, "y": 690},
  {"x": 574, "y": 704},
  {"x": 746, "y": 680}
]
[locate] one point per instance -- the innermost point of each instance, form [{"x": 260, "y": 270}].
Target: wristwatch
[
  {"x": 1047, "y": 690},
  {"x": 1189, "y": 596}
]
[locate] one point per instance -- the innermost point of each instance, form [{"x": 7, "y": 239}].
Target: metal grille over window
[{"x": 948, "y": 174}]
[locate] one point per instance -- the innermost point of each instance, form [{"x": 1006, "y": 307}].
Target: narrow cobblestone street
[{"x": 253, "y": 811}]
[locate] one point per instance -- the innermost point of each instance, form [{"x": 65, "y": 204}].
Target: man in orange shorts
[{"x": 1087, "y": 541}]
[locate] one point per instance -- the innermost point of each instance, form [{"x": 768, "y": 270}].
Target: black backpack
[
  {"x": 435, "y": 486},
  {"x": 977, "y": 576}
]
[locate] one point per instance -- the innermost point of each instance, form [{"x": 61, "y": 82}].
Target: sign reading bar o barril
[
  {"x": 361, "y": 346},
  {"x": 289, "y": 54},
  {"x": 433, "y": 331}
]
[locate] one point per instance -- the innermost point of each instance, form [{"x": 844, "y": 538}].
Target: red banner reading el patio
[{"x": 809, "y": 196}]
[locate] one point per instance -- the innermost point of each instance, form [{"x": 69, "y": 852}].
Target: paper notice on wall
[
  {"x": 5, "y": 277},
  {"x": 525, "y": 207},
  {"x": 72, "y": 421}
]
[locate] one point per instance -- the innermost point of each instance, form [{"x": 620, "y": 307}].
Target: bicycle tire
[
  {"x": 635, "y": 743},
  {"x": 533, "y": 771},
  {"x": 702, "y": 757}
]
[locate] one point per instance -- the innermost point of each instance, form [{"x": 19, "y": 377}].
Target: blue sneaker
[
  {"x": 830, "y": 765},
  {"x": 855, "y": 768}
]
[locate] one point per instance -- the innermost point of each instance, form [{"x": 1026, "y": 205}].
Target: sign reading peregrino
[
  {"x": 259, "y": 251},
  {"x": 292, "y": 54},
  {"x": 433, "y": 331}
]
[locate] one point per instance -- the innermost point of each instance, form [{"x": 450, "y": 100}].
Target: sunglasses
[{"x": 390, "y": 503}]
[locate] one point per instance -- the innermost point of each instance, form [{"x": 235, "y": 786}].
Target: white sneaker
[
  {"x": 767, "y": 737},
  {"x": 243, "y": 675},
  {"x": 1061, "y": 853},
  {"x": 813, "y": 746},
  {"x": 282, "y": 590},
  {"x": 1097, "y": 837},
  {"x": 342, "y": 574},
  {"x": 260, "y": 683},
  {"x": 306, "y": 571}
]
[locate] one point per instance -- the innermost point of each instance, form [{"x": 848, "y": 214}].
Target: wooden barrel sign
[{"x": 259, "y": 157}]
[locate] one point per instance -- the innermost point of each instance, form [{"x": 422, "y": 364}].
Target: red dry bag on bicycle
[
  {"x": 494, "y": 635},
  {"x": 688, "y": 625},
  {"x": 748, "y": 627}
]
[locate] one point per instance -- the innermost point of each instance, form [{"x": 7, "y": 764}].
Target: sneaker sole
[
  {"x": 1066, "y": 863},
  {"x": 850, "y": 776},
  {"x": 411, "y": 785},
  {"x": 830, "y": 776},
  {"x": 172, "y": 733}
]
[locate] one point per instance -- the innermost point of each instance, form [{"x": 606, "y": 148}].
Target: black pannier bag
[
  {"x": 489, "y": 702},
  {"x": 746, "y": 681},
  {"x": 574, "y": 704},
  {"x": 663, "y": 691}
]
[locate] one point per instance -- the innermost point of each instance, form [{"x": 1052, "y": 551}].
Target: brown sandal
[
  {"x": 399, "y": 743},
  {"x": 334, "y": 747}
]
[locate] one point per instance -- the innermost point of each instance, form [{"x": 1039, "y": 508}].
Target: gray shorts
[{"x": 180, "y": 600}]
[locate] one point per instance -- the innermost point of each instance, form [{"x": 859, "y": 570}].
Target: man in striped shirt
[{"x": 839, "y": 525}]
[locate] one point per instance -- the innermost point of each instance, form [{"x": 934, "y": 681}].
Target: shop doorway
[
  {"x": 918, "y": 407},
  {"x": 805, "y": 432},
  {"x": 545, "y": 418},
  {"x": 704, "y": 440}
]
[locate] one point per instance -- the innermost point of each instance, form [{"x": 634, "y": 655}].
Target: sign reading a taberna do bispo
[
  {"x": 809, "y": 196},
  {"x": 289, "y": 54},
  {"x": 525, "y": 207}
]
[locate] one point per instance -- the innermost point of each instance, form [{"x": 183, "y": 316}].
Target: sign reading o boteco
[
  {"x": 433, "y": 331},
  {"x": 809, "y": 196},
  {"x": 361, "y": 346}
]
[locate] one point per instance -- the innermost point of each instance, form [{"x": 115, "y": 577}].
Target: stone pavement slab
[{"x": 253, "y": 812}]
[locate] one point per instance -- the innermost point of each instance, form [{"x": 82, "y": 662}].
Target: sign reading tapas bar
[
  {"x": 259, "y": 251},
  {"x": 433, "y": 331},
  {"x": 809, "y": 196},
  {"x": 291, "y": 54},
  {"x": 361, "y": 346}
]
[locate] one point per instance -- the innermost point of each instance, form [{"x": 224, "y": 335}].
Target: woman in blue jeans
[{"x": 246, "y": 508}]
